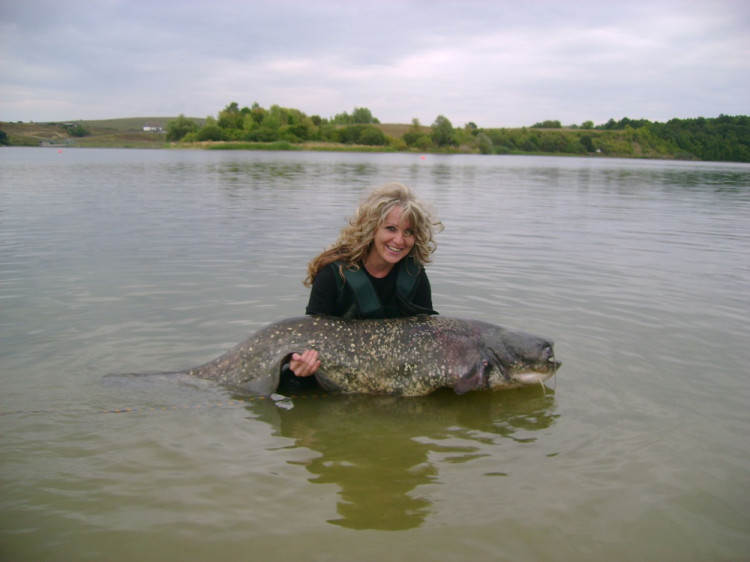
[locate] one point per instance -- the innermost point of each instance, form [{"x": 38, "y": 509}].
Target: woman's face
[{"x": 393, "y": 241}]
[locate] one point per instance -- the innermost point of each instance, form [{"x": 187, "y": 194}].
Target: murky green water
[{"x": 115, "y": 261}]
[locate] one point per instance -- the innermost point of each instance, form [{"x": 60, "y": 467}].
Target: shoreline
[{"x": 131, "y": 133}]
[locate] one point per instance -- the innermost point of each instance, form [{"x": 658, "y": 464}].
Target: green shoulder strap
[
  {"x": 407, "y": 278},
  {"x": 364, "y": 292},
  {"x": 367, "y": 299}
]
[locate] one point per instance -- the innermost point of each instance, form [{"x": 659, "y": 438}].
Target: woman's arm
[
  {"x": 323, "y": 296},
  {"x": 324, "y": 293}
]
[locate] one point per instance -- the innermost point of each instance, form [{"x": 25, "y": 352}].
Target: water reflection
[
  {"x": 379, "y": 451},
  {"x": 288, "y": 172}
]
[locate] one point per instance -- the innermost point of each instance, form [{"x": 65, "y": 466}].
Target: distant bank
[{"x": 726, "y": 138}]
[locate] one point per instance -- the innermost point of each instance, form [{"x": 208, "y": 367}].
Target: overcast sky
[{"x": 496, "y": 63}]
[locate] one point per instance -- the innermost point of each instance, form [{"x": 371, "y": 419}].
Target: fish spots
[{"x": 406, "y": 356}]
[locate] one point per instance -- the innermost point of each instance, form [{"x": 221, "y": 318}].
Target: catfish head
[
  {"x": 510, "y": 359},
  {"x": 518, "y": 359}
]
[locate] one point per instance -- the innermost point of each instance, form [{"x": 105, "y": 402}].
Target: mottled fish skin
[{"x": 399, "y": 357}]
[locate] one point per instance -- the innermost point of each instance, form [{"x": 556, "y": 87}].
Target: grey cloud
[{"x": 492, "y": 62}]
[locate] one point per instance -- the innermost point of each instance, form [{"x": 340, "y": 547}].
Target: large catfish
[{"x": 401, "y": 357}]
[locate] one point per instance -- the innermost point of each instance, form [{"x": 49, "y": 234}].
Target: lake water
[{"x": 117, "y": 261}]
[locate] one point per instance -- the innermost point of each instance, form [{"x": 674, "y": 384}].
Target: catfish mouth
[
  {"x": 546, "y": 367},
  {"x": 528, "y": 379},
  {"x": 548, "y": 362}
]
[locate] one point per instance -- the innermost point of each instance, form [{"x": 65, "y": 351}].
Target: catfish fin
[{"x": 473, "y": 379}]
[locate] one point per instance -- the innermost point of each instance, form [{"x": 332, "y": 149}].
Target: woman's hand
[{"x": 305, "y": 364}]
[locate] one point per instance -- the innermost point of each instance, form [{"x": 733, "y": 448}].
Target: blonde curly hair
[{"x": 357, "y": 236}]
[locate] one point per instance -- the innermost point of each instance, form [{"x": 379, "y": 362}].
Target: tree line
[
  {"x": 276, "y": 123},
  {"x": 725, "y": 138},
  {"x": 280, "y": 124}
]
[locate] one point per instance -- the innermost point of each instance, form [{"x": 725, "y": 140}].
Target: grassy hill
[
  {"x": 119, "y": 133},
  {"x": 114, "y": 133}
]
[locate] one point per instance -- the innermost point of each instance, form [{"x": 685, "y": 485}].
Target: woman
[{"x": 376, "y": 267}]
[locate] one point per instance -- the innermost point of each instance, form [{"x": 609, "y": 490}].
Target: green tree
[
  {"x": 341, "y": 119},
  {"x": 178, "y": 128},
  {"x": 299, "y": 131},
  {"x": 210, "y": 131},
  {"x": 587, "y": 143},
  {"x": 79, "y": 130},
  {"x": 417, "y": 136},
  {"x": 530, "y": 143},
  {"x": 257, "y": 113},
  {"x": 362, "y": 115},
  {"x": 549, "y": 124},
  {"x": 425, "y": 143},
  {"x": 552, "y": 142},
  {"x": 362, "y": 134},
  {"x": 231, "y": 117},
  {"x": 443, "y": 133},
  {"x": 263, "y": 134},
  {"x": 485, "y": 143},
  {"x": 372, "y": 136}
]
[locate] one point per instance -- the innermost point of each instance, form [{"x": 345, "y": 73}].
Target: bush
[
  {"x": 362, "y": 134},
  {"x": 177, "y": 129},
  {"x": 443, "y": 133},
  {"x": 79, "y": 131},
  {"x": 210, "y": 133},
  {"x": 372, "y": 136},
  {"x": 485, "y": 144}
]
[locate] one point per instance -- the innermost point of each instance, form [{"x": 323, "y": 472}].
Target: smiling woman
[
  {"x": 376, "y": 267},
  {"x": 393, "y": 240}
]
